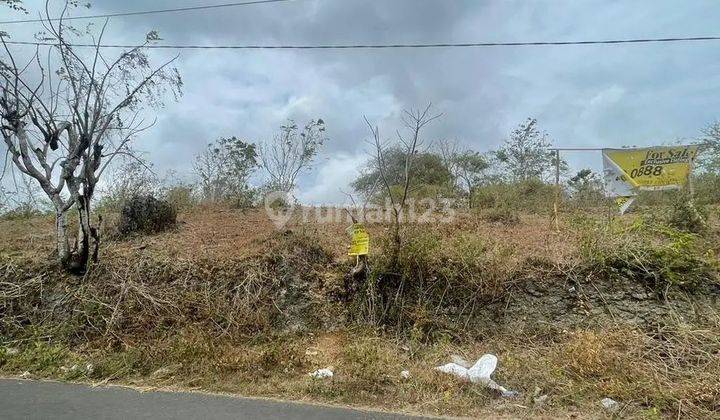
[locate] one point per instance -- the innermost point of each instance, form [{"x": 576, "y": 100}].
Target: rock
[
  {"x": 610, "y": 405},
  {"x": 26, "y": 375},
  {"x": 405, "y": 374},
  {"x": 322, "y": 373}
]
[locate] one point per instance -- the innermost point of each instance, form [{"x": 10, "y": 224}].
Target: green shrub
[
  {"x": 660, "y": 257},
  {"x": 146, "y": 214},
  {"x": 181, "y": 197},
  {"x": 39, "y": 357},
  {"x": 707, "y": 188},
  {"x": 688, "y": 216},
  {"x": 243, "y": 199}
]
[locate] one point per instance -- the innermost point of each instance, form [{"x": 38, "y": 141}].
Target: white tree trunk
[
  {"x": 62, "y": 239},
  {"x": 84, "y": 233}
]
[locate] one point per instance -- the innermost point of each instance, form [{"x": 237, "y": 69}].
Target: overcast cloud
[{"x": 608, "y": 95}]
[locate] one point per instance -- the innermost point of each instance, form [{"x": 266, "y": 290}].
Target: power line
[
  {"x": 148, "y": 12},
  {"x": 387, "y": 46}
]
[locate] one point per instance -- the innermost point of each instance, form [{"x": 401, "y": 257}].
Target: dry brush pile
[{"x": 134, "y": 295}]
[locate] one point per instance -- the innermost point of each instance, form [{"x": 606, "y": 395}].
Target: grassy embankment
[{"x": 621, "y": 308}]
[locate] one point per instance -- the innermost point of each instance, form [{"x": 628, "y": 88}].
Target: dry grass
[{"x": 226, "y": 302}]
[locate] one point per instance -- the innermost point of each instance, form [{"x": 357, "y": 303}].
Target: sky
[{"x": 582, "y": 96}]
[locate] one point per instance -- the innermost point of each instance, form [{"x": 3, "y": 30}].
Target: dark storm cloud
[{"x": 582, "y": 95}]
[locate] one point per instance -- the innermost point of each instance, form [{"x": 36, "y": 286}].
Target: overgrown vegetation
[
  {"x": 200, "y": 289},
  {"x": 658, "y": 256},
  {"x": 641, "y": 326}
]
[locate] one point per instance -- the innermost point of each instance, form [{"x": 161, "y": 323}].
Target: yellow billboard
[{"x": 652, "y": 168}]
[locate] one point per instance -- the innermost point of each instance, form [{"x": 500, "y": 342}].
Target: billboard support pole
[
  {"x": 558, "y": 193},
  {"x": 691, "y": 187}
]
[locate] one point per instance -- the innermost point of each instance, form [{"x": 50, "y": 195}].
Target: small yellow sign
[
  {"x": 654, "y": 168},
  {"x": 360, "y": 244}
]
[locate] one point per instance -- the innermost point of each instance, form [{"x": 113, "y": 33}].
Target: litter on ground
[
  {"x": 610, "y": 405},
  {"x": 479, "y": 373},
  {"x": 322, "y": 373}
]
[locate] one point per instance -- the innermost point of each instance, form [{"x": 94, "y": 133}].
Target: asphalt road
[{"x": 20, "y": 399}]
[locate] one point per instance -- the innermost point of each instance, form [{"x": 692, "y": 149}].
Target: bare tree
[
  {"x": 414, "y": 121},
  {"x": 290, "y": 152},
  {"x": 448, "y": 149},
  {"x": 709, "y": 159},
  {"x": 66, "y": 113}
]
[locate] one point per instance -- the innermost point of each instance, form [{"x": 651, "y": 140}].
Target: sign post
[{"x": 558, "y": 191}]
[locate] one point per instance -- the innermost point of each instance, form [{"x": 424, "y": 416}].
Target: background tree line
[{"x": 519, "y": 175}]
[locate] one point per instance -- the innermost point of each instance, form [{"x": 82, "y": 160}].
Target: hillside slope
[{"x": 626, "y": 309}]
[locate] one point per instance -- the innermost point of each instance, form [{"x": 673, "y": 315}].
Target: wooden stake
[
  {"x": 691, "y": 187},
  {"x": 556, "y": 205}
]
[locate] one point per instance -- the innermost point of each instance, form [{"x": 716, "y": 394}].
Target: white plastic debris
[
  {"x": 11, "y": 351},
  {"x": 479, "y": 373},
  {"x": 322, "y": 373},
  {"x": 483, "y": 368},
  {"x": 610, "y": 405},
  {"x": 454, "y": 369},
  {"x": 459, "y": 360},
  {"x": 405, "y": 374}
]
